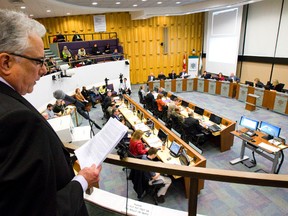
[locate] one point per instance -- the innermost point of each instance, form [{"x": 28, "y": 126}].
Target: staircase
[{"x": 49, "y": 53}]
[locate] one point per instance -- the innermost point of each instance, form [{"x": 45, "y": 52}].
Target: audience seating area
[{"x": 87, "y": 45}]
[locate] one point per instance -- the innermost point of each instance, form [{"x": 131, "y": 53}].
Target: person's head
[
  {"x": 161, "y": 72},
  {"x": 137, "y": 135},
  {"x": 177, "y": 110},
  {"x": 256, "y": 80},
  {"x": 205, "y": 72},
  {"x": 125, "y": 79},
  {"x": 83, "y": 88},
  {"x": 49, "y": 106},
  {"x": 220, "y": 74},
  {"x": 232, "y": 74},
  {"x": 65, "y": 48},
  {"x": 59, "y": 102},
  {"x": 159, "y": 96},
  {"x": 109, "y": 93},
  {"x": 151, "y": 74},
  {"x": 77, "y": 90},
  {"x": 115, "y": 50},
  {"x": 275, "y": 82},
  {"x": 152, "y": 152},
  {"x": 21, "y": 50},
  {"x": 191, "y": 114},
  {"x": 115, "y": 111},
  {"x": 95, "y": 45}
]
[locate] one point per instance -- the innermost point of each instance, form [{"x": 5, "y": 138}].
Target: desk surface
[{"x": 258, "y": 141}]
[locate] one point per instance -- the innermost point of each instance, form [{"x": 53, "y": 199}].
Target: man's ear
[{"x": 5, "y": 63}]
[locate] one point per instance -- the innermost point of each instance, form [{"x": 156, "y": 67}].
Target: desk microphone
[{"x": 236, "y": 126}]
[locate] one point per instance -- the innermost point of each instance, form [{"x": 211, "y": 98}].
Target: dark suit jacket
[
  {"x": 151, "y": 78},
  {"x": 36, "y": 170},
  {"x": 192, "y": 125},
  {"x": 161, "y": 76}
]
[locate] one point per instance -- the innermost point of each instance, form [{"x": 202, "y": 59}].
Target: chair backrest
[{"x": 279, "y": 87}]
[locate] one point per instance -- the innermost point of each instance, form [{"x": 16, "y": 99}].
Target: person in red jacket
[{"x": 137, "y": 147}]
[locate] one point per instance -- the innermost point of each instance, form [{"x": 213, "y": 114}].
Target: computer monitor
[
  {"x": 183, "y": 157},
  {"x": 249, "y": 123},
  {"x": 185, "y": 103},
  {"x": 172, "y": 97},
  {"x": 162, "y": 135},
  {"x": 150, "y": 124},
  {"x": 269, "y": 129},
  {"x": 175, "y": 149},
  {"x": 140, "y": 115},
  {"x": 216, "y": 119},
  {"x": 126, "y": 102},
  {"x": 249, "y": 83},
  {"x": 198, "y": 110}
]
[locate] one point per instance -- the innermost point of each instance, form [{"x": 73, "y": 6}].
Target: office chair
[
  {"x": 279, "y": 87},
  {"x": 195, "y": 138},
  {"x": 141, "y": 98},
  {"x": 176, "y": 124},
  {"x": 143, "y": 186}
]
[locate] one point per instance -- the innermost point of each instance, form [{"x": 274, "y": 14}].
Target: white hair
[{"x": 16, "y": 28}]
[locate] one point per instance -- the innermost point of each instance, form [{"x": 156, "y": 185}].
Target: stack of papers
[
  {"x": 141, "y": 126},
  {"x": 96, "y": 149}
]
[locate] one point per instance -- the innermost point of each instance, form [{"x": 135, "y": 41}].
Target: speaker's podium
[
  {"x": 251, "y": 102},
  {"x": 64, "y": 128}
]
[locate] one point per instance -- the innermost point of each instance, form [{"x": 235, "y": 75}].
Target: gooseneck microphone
[{"x": 59, "y": 94}]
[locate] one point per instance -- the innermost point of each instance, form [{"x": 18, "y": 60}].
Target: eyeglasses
[{"x": 38, "y": 61}]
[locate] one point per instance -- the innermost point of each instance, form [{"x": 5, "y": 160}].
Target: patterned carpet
[{"x": 217, "y": 198}]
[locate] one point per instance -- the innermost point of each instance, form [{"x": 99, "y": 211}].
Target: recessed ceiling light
[
  {"x": 31, "y": 15},
  {"x": 48, "y": 11},
  {"x": 118, "y": 3},
  {"x": 144, "y": 0},
  {"x": 159, "y": 2},
  {"x": 94, "y": 3},
  {"x": 22, "y": 7},
  {"x": 68, "y": 13},
  {"x": 135, "y": 5},
  {"x": 178, "y": 2}
]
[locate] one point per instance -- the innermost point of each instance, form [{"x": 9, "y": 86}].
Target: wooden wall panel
[{"x": 141, "y": 39}]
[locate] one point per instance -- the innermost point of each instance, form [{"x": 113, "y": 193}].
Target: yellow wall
[{"x": 141, "y": 39}]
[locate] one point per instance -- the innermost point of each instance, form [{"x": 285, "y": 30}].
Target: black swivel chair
[
  {"x": 279, "y": 87},
  {"x": 142, "y": 187},
  {"x": 195, "y": 138}
]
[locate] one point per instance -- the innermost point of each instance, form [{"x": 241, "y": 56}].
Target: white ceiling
[{"x": 144, "y": 8}]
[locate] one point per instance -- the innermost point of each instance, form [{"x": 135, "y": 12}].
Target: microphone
[{"x": 59, "y": 94}]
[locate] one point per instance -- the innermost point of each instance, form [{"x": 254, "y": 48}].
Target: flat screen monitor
[
  {"x": 249, "y": 83},
  {"x": 162, "y": 135},
  {"x": 216, "y": 119},
  {"x": 185, "y": 104},
  {"x": 140, "y": 114},
  {"x": 270, "y": 130},
  {"x": 198, "y": 110},
  {"x": 126, "y": 102},
  {"x": 172, "y": 97},
  {"x": 150, "y": 124},
  {"x": 248, "y": 123},
  {"x": 175, "y": 149}
]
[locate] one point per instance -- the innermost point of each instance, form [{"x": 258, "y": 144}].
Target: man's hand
[{"x": 91, "y": 174}]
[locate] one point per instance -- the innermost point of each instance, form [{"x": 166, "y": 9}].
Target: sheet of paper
[{"x": 96, "y": 150}]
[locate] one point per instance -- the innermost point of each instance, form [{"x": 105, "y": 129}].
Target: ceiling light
[
  {"x": 94, "y": 3},
  {"x": 159, "y": 2},
  {"x": 31, "y": 15},
  {"x": 178, "y": 2},
  {"x": 48, "y": 11},
  {"x": 144, "y": 0},
  {"x": 118, "y": 3},
  {"x": 68, "y": 13},
  {"x": 135, "y": 5},
  {"x": 22, "y": 7}
]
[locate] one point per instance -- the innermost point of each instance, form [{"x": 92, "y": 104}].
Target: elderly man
[{"x": 36, "y": 174}]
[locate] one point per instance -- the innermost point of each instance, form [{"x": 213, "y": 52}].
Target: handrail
[
  {"x": 114, "y": 35},
  {"x": 197, "y": 173}
]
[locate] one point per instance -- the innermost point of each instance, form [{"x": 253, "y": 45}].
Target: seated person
[
  {"x": 45, "y": 115},
  {"x": 115, "y": 113},
  {"x": 220, "y": 77},
  {"x": 110, "y": 109},
  {"x": 107, "y": 100},
  {"x": 82, "y": 53},
  {"x": 125, "y": 87},
  {"x": 107, "y": 49},
  {"x": 183, "y": 74},
  {"x": 258, "y": 83},
  {"x": 95, "y": 50},
  {"x": 137, "y": 147},
  {"x": 102, "y": 91},
  {"x": 116, "y": 56},
  {"x": 80, "y": 97},
  {"x": 152, "y": 154},
  {"x": 206, "y": 75},
  {"x": 151, "y": 77},
  {"x": 172, "y": 75},
  {"x": 234, "y": 78},
  {"x": 60, "y": 37},
  {"x": 275, "y": 85},
  {"x": 149, "y": 99},
  {"x": 59, "y": 107},
  {"x": 87, "y": 95},
  {"x": 66, "y": 54},
  {"x": 142, "y": 94},
  {"x": 177, "y": 113},
  {"x": 160, "y": 102},
  {"x": 162, "y": 91},
  {"x": 51, "y": 63},
  {"x": 172, "y": 105},
  {"x": 50, "y": 112},
  {"x": 192, "y": 124},
  {"x": 161, "y": 76},
  {"x": 76, "y": 37}
]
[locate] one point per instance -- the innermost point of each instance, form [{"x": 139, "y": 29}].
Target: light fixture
[
  {"x": 48, "y": 11},
  {"x": 178, "y": 2},
  {"x": 159, "y": 2},
  {"x": 23, "y": 7},
  {"x": 31, "y": 15},
  {"x": 68, "y": 13},
  {"x": 118, "y": 3},
  {"x": 135, "y": 5},
  {"x": 94, "y": 3},
  {"x": 144, "y": 0}
]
